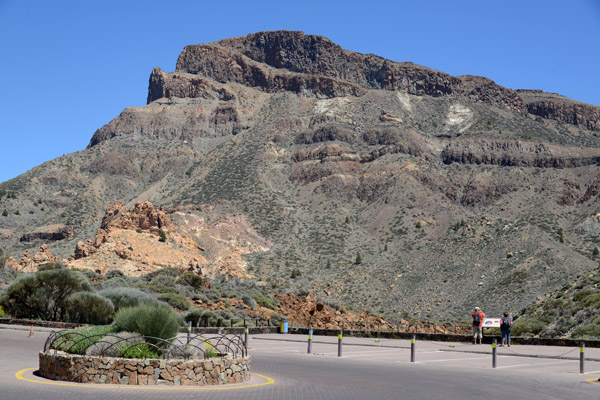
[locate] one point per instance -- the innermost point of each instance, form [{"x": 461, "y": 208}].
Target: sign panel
[{"x": 491, "y": 322}]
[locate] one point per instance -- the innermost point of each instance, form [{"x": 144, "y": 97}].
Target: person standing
[
  {"x": 478, "y": 317},
  {"x": 505, "y": 325}
]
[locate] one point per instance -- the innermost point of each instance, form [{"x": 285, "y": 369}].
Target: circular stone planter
[{"x": 58, "y": 365}]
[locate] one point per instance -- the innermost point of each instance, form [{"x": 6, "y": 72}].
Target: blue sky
[{"x": 69, "y": 67}]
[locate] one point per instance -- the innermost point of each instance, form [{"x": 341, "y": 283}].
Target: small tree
[
  {"x": 295, "y": 273},
  {"x": 595, "y": 252},
  {"x": 561, "y": 235},
  {"x": 162, "y": 236},
  {"x": 45, "y": 293},
  {"x": 358, "y": 259},
  {"x": 5, "y": 213}
]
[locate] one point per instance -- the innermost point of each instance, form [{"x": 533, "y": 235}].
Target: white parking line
[
  {"x": 543, "y": 364},
  {"x": 362, "y": 354},
  {"x": 450, "y": 359}
]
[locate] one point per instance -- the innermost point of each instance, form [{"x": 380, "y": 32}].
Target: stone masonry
[{"x": 62, "y": 366}]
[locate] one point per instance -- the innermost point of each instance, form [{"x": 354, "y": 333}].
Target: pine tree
[
  {"x": 358, "y": 259},
  {"x": 561, "y": 235}
]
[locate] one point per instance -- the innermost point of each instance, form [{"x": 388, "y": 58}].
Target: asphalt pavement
[{"x": 368, "y": 369}]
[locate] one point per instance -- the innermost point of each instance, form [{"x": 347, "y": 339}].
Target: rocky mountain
[{"x": 379, "y": 184}]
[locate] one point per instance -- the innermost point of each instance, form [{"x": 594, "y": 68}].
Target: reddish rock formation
[
  {"x": 43, "y": 256},
  {"x": 143, "y": 216}
]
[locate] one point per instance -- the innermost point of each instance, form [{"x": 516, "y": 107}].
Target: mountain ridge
[{"x": 434, "y": 180}]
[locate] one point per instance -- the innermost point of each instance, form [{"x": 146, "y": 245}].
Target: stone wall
[{"x": 62, "y": 366}]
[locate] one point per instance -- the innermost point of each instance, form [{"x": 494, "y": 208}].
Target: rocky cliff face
[{"x": 388, "y": 185}]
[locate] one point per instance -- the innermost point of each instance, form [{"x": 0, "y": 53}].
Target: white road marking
[
  {"x": 540, "y": 364},
  {"x": 453, "y": 359}
]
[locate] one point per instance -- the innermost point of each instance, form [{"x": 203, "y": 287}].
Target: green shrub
[
  {"x": 160, "y": 288},
  {"x": 176, "y": 300},
  {"x": 588, "y": 331},
  {"x": 527, "y": 326},
  {"x": 163, "y": 236},
  {"x": 115, "y": 344},
  {"x": 249, "y": 301},
  {"x": 582, "y": 294},
  {"x": 265, "y": 301},
  {"x": 203, "y": 317},
  {"x": 168, "y": 271},
  {"x": 190, "y": 279},
  {"x": 122, "y": 297},
  {"x": 140, "y": 351},
  {"x": 78, "y": 340},
  {"x": 90, "y": 308},
  {"x": 149, "y": 320},
  {"x": 1, "y": 312},
  {"x": 114, "y": 273}
]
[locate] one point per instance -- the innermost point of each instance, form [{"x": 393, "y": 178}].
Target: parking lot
[{"x": 368, "y": 369}]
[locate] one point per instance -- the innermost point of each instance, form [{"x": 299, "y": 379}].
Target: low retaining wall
[{"x": 58, "y": 365}]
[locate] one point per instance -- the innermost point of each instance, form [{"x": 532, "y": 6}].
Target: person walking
[
  {"x": 478, "y": 317},
  {"x": 505, "y": 325}
]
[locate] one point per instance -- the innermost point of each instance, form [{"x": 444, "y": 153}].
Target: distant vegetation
[
  {"x": 571, "y": 312},
  {"x": 56, "y": 293}
]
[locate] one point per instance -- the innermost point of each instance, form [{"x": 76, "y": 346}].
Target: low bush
[
  {"x": 587, "y": 331},
  {"x": 527, "y": 327},
  {"x": 195, "y": 349},
  {"x": 77, "y": 341},
  {"x": 190, "y": 279},
  {"x": 90, "y": 308},
  {"x": 176, "y": 300},
  {"x": 122, "y": 297},
  {"x": 140, "y": 351},
  {"x": 265, "y": 301},
  {"x": 249, "y": 301},
  {"x": 149, "y": 320},
  {"x": 114, "y": 345}
]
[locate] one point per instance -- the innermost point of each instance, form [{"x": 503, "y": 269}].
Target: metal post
[
  {"x": 310, "y": 333},
  {"x": 246, "y": 336},
  {"x": 494, "y": 353},
  {"x": 412, "y": 348},
  {"x": 340, "y": 344},
  {"x": 189, "y": 330},
  {"x": 581, "y": 347}
]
